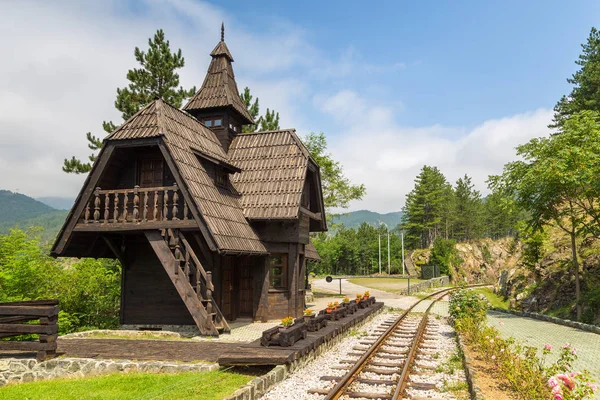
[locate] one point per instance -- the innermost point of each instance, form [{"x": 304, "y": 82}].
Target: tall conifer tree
[
  {"x": 585, "y": 94},
  {"x": 156, "y": 79}
]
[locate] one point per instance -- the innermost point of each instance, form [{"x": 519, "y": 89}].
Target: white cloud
[
  {"x": 386, "y": 157},
  {"x": 64, "y": 60}
]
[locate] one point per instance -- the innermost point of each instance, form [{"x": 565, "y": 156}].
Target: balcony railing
[{"x": 137, "y": 205}]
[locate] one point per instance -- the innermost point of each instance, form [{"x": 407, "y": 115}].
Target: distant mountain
[
  {"x": 19, "y": 210},
  {"x": 355, "y": 218},
  {"x": 59, "y": 203},
  {"x": 16, "y": 207}
]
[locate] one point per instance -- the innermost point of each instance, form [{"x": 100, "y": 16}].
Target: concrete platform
[{"x": 255, "y": 354}]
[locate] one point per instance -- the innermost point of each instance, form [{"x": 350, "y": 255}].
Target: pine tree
[
  {"x": 468, "y": 224},
  {"x": 156, "y": 79},
  {"x": 270, "y": 121},
  {"x": 585, "y": 94},
  {"x": 252, "y": 108},
  {"x": 425, "y": 209}
]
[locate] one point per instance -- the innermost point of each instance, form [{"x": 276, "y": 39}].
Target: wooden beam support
[{"x": 313, "y": 215}]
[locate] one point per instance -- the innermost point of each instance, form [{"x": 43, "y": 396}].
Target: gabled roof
[
  {"x": 186, "y": 139},
  {"x": 219, "y": 88},
  {"x": 274, "y": 166}
]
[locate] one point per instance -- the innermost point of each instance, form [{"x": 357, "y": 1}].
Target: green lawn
[
  {"x": 496, "y": 300},
  {"x": 392, "y": 285},
  {"x": 190, "y": 385}
]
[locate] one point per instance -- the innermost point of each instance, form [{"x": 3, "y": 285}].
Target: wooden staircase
[{"x": 192, "y": 281}]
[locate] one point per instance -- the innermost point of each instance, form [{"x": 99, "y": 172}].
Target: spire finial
[{"x": 222, "y": 31}]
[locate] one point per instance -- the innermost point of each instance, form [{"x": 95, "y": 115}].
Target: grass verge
[
  {"x": 392, "y": 285},
  {"x": 133, "y": 386},
  {"x": 496, "y": 300}
]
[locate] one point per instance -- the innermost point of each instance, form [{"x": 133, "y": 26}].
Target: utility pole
[
  {"x": 379, "y": 254},
  {"x": 402, "y": 239},
  {"x": 389, "y": 252}
]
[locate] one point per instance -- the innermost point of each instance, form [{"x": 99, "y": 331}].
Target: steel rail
[{"x": 338, "y": 390}]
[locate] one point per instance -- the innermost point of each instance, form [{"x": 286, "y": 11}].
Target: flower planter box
[
  {"x": 364, "y": 303},
  {"x": 350, "y": 307},
  {"x": 336, "y": 314},
  {"x": 285, "y": 337},
  {"x": 318, "y": 322}
]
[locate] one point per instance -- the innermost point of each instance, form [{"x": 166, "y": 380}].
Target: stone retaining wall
[
  {"x": 259, "y": 386},
  {"x": 17, "y": 370},
  {"x": 548, "y": 318}
]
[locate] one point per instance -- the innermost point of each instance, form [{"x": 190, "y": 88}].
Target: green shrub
[
  {"x": 88, "y": 290},
  {"x": 467, "y": 304}
]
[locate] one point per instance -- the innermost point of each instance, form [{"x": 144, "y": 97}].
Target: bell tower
[{"x": 218, "y": 104}]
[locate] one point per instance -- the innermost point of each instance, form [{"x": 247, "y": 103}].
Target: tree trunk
[{"x": 577, "y": 282}]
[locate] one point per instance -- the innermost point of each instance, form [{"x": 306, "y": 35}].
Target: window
[
  {"x": 278, "y": 271},
  {"x": 221, "y": 178},
  {"x": 218, "y": 122},
  {"x": 208, "y": 123}
]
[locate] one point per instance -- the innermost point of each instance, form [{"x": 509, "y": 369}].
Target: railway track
[{"x": 385, "y": 368}]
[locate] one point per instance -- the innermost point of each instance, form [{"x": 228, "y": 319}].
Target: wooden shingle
[{"x": 274, "y": 166}]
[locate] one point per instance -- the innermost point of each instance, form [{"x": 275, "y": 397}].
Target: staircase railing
[{"x": 200, "y": 279}]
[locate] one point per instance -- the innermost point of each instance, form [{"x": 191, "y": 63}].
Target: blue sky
[{"x": 394, "y": 85}]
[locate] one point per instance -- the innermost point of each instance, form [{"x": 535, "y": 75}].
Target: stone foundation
[{"x": 15, "y": 370}]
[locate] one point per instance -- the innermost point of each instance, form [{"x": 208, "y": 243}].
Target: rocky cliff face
[
  {"x": 535, "y": 277},
  {"x": 482, "y": 260}
]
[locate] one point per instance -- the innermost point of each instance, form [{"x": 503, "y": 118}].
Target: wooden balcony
[{"x": 134, "y": 209}]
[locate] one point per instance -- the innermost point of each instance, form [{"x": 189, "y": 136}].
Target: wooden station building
[{"x": 210, "y": 224}]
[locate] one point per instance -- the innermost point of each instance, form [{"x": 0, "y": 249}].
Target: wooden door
[
  {"x": 151, "y": 172},
  {"x": 246, "y": 288},
  {"x": 226, "y": 304},
  {"x": 151, "y": 175}
]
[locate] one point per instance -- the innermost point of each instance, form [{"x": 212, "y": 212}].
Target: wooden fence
[{"x": 16, "y": 318}]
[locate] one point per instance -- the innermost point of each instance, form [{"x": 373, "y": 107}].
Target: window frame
[{"x": 284, "y": 271}]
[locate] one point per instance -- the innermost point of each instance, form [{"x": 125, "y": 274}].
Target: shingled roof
[
  {"x": 274, "y": 166},
  {"x": 219, "y": 88},
  {"x": 186, "y": 139}
]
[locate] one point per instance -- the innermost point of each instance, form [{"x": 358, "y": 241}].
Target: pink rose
[
  {"x": 552, "y": 382},
  {"x": 566, "y": 380},
  {"x": 548, "y": 347}
]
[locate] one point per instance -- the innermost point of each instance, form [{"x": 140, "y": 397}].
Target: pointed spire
[{"x": 219, "y": 89}]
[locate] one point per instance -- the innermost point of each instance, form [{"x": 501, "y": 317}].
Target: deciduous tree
[
  {"x": 338, "y": 190},
  {"x": 557, "y": 182}
]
